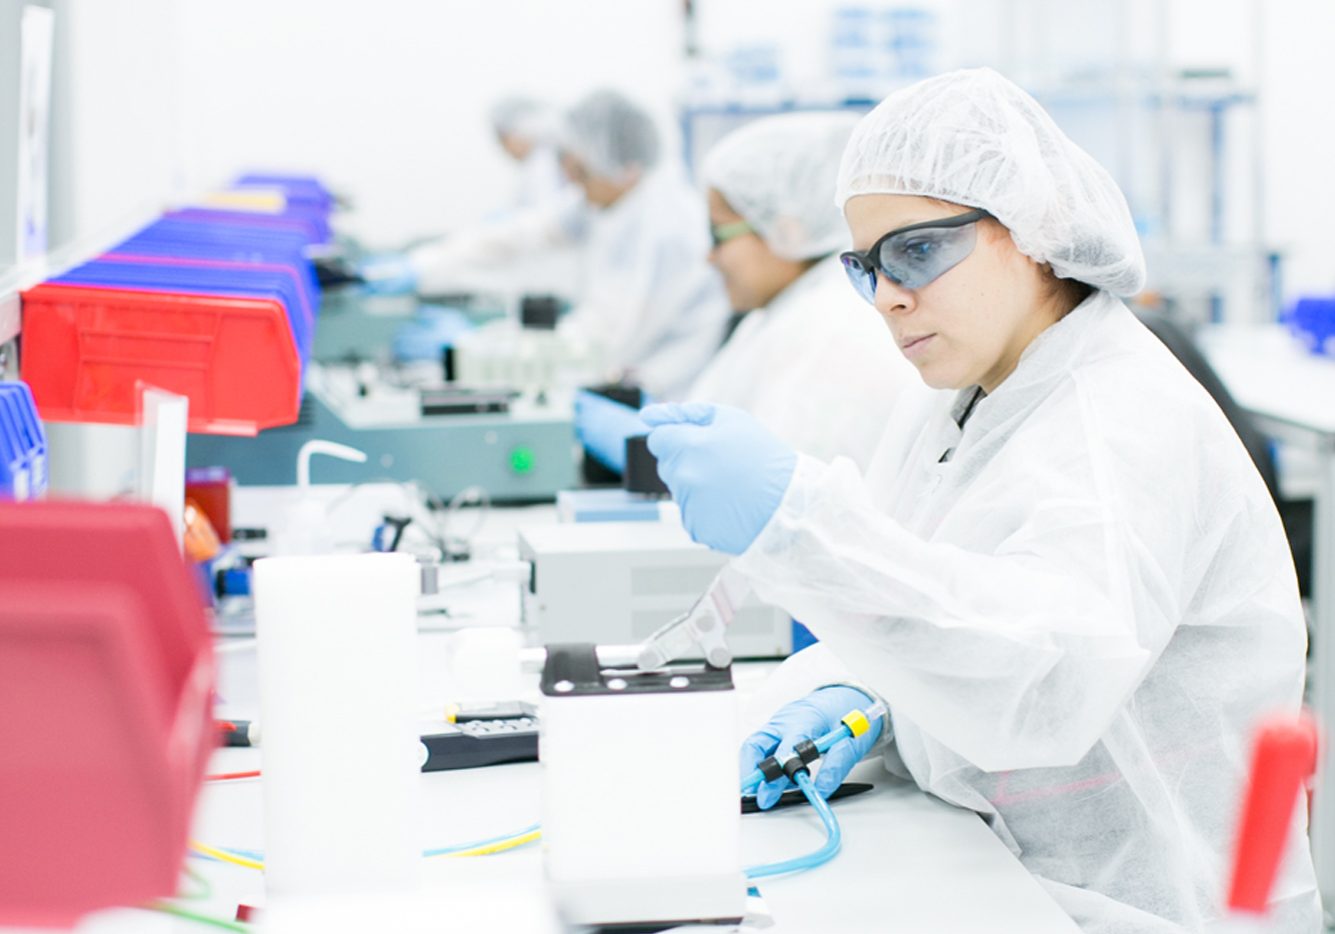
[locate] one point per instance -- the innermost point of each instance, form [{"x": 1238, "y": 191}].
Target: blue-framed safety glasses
[{"x": 915, "y": 255}]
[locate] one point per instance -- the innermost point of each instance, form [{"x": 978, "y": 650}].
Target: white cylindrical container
[{"x": 340, "y": 755}]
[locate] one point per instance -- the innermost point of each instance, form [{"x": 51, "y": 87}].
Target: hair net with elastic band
[
  {"x": 974, "y": 138},
  {"x": 778, "y": 173},
  {"x": 610, "y": 134}
]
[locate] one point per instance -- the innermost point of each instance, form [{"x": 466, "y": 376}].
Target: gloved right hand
[
  {"x": 726, "y": 470},
  {"x": 810, "y": 718},
  {"x": 603, "y": 427},
  {"x": 388, "y": 274}
]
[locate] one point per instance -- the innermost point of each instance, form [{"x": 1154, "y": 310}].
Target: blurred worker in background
[
  {"x": 1062, "y": 573},
  {"x": 649, "y": 302},
  {"x": 526, "y": 129},
  {"x": 544, "y": 204},
  {"x": 776, "y": 235}
]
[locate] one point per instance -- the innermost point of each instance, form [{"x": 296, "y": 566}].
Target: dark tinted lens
[
  {"x": 863, "y": 279},
  {"x": 917, "y": 257}
]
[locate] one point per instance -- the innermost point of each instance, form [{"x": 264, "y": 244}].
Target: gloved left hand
[
  {"x": 603, "y": 427},
  {"x": 810, "y": 718},
  {"x": 726, "y": 471},
  {"x": 388, "y": 274}
]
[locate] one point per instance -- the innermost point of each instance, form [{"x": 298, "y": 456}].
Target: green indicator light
[{"x": 521, "y": 459}]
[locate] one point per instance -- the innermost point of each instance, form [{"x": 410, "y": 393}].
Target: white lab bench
[
  {"x": 1291, "y": 393},
  {"x": 909, "y": 862}
]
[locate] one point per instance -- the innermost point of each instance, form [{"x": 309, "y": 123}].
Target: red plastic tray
[
  {"x": 106, "y": 680},
  {"x": 84, "y": 350}
]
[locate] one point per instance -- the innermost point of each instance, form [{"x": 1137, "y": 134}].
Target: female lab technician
[
  {"x": 1062, "y": 571},
  {"x": 776, "y": 234},
  {"x": 649, "y": 304}
]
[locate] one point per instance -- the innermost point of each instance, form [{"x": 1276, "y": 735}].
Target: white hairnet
[
  {"x": 525, "y": 117},
  {"x": 778, "y": 173},
  {"x": 610, "y": 134},
  {"x": 974, "y": 138}
]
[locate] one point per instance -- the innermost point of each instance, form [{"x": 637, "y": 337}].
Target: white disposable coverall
[
  {"x": 649, "y": 300},
  {"x": 1076, "y": 618},
  {"x": 817, "y": 366}
]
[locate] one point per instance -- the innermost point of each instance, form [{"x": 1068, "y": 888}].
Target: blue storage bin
[
  {"x": 23, "y": 471},
  {"x": 1312, "y": 320},
  {"x": 237, "y": 237},
  {"x": 304, "y": 190},
  {"x": 196, "y": 240},
  {"x": 187, "y": 277},
  {"x": 312, "y": 224}
]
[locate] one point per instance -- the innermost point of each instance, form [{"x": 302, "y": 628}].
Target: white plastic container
[
  {"x": 340, "y": 755},
  {"x": 641, "y": 815}
]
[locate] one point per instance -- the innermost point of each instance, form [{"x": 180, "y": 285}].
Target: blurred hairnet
[
  {"x": 778, "y": 173},
  {"x": 610, "y": 134},
  {"x": 974, "y": 138},
  {"x": 525, "y": 117}
]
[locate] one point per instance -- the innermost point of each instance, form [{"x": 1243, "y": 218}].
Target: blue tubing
[
  {"x": 752, "y": 781},
  {"x": 814, "y": 859}
]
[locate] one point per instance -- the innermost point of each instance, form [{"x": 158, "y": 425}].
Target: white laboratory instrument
[
  {"x": 701, "y": 628},
  {"x": 505, "y": 355},
  {"x": 616, "y": 583},
  {"x": 640, "y": 814}
]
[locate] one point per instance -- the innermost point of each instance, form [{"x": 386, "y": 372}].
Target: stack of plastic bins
[
  {"x": 233, "y": 337},
  {"x": 239, "y": 242},
  {"x": 302, "y": 191},
  {"x": 314, "y": 225},
  {"x": 106, "y": 670},
  {"x": 22, "y": 444},
  {"x": 206, "y": 276}
]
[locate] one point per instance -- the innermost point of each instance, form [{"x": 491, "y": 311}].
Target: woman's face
[
  {"x": 969, "y": 326},
  {"x": 752, "y": 273},
  {"x": 599, "y": 191}
]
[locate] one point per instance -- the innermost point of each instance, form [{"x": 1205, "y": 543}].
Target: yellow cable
[
  {"x": 224, "y": 856},
  {"x": 499, "y": 847}
]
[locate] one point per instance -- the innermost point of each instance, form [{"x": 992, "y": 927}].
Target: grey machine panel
[{"x": 525, "y": 455}]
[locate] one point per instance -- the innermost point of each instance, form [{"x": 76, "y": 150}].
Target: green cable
[{"x": 198, "y": 918}]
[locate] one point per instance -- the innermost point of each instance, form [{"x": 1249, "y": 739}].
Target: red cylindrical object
[{"x": 1284, "y": 756}]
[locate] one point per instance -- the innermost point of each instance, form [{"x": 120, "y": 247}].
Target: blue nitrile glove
[
  {"x": 388, "y": 274},
  {"x": 810, "y": 718},
  {"x": 603, "y": 427},
  {"x": 433, "y": 328},
  {"x": 725, "y": 470}
]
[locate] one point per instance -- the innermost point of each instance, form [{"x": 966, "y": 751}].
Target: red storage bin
[
  {"x": 106, "y": 682},
  {"x": 84, "y": 350}
]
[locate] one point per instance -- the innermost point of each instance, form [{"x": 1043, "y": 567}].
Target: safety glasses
[
  {"x": 915, "y": 255},
  {"x": 722, "y": 233}
]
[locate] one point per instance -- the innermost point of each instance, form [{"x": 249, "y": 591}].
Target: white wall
[
  {"x": 388, "y": 100},
  {"x": 1298, "y": 83},
  {"x": 115, "y": 116}
]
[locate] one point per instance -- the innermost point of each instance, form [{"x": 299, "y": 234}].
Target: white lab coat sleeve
[
  {"x": 443, "y": 264},
  {"x": 1016, "y": 658}
]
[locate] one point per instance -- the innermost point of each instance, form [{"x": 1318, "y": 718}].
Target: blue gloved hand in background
[
  {"x": 430, "y": 331},
  {"x": 725, "y": 469},
  {"x": 810, "y": 718},
  {"x": 603, "y": 427},
  {"x": 388, "y": 274}
]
